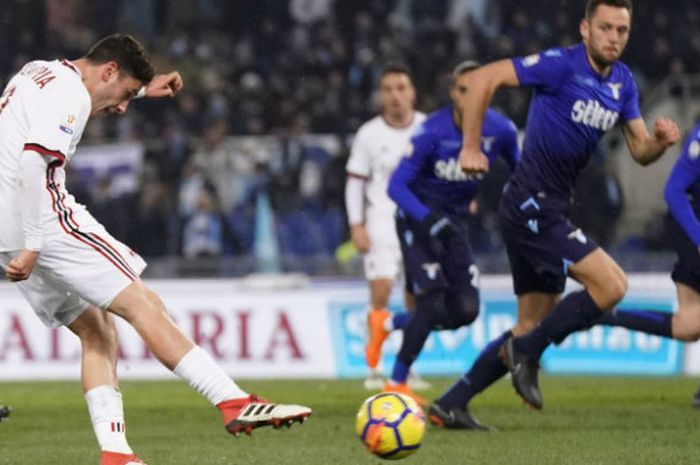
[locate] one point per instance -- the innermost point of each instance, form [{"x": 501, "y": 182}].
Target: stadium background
[{"x": 244, "y": 171}]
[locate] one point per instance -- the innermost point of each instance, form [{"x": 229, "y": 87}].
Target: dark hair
[
  {"x": 464, "y": 67},
  {"x": 127, "y": 52},
  {"x": 593, "y": 5},
  {"x": 395, "y": 68}
]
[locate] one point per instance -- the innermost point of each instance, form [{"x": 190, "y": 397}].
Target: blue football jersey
[
  {"x": 682, "y": 191},
  {"x": 571, "y": 108},
  {"x": 429, "y": 177}
]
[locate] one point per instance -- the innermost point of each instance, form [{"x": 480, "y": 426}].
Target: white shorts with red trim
[{"x": 87, "y": 267}]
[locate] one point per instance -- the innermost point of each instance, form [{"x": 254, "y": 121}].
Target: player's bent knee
[{"x": 463, "y": 309}]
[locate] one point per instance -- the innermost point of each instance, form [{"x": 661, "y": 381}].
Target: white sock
[
  {"x": 107, "y": 414},
  {"x": 206, "y": 377},
  {"x": 389, "y": 323}
]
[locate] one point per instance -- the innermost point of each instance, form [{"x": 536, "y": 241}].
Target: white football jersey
[
  {"x": 44, "y": 108},
  {"x": 376, "y": 151}
]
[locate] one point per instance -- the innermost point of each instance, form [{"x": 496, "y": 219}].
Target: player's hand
[
  {"x": 360, "y": 238},
  {"x": 472, "y": 161},
  {"x": 439, "y": 226},
  {"x": 473, "y": 207},
  {"x": 666, "y": 131},
  {"x": 164, "y": 85},
  {"x": 22, "y": 265}
]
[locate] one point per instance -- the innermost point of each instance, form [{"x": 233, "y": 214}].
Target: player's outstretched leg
[{"x": 242, "y": 412}]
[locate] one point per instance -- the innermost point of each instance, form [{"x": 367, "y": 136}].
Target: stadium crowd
[{"x": 292, "y": 68}]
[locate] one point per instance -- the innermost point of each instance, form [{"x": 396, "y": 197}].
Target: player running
[
  {"x": 433, "y": 196},
  {"x": 580, "y": 93},
  {"x": 376, "y": 150},
  {"x": 68, "y": 267}
]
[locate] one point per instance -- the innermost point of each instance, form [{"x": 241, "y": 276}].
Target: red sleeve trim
[
  {"x": 41, "y": 150},
  {"x": 358, "y": 176}
]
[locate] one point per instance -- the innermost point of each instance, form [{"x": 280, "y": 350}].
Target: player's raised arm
[
  {"x": 645, "y": 148},
  {"x": 164, "y": 85},
  {"x": 482, "y": 84}
]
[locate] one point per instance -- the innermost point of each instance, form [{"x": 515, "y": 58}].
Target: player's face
[
  {"x": 605, "y": 34},
  {"x": 397, "y": 94},
  {"x": 113, "y": 92},
  {"x": 458, "y": 92}
]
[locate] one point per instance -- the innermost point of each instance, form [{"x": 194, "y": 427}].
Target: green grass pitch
[{"x": 605, "y": 420}]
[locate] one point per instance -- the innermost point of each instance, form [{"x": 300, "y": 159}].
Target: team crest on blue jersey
[
  {"x": 615, "y": 89},
  {"x": 531, "y": 60},
  {"x": 694, "y": 150}
]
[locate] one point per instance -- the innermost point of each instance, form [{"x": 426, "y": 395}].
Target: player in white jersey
[
  {"x": 69, "y": 269},
  {"x": 377, "y": 149}
]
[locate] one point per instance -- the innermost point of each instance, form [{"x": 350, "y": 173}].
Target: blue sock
[
  {"x": 646, "y": 321},
  {"x": 485, "y": 371},
  {"x": 576, "y": 311},
  {"x": 399, "y": 320},
  {"x": 416, "y": 331},
  {"x": 400, "y": 372}
]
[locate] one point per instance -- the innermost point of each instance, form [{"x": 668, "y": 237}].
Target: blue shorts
[
  {"x": 431, "y": 265},
  {"x": 687, "y": 268},
  {"x": 540, "y": 240}
]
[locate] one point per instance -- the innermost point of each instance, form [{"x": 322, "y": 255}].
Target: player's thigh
[
  {"x": 686, "y": 323},
  {"x": 97, "y": 328},
  {"x": 422, "y": 259},
  {"x": 602, "y": 277},
  {"x": 92, "y": 264},
  {"x": 533, "y": 307}
]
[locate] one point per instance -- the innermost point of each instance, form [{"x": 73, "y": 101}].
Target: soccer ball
[{"x": 391, "y": 425}]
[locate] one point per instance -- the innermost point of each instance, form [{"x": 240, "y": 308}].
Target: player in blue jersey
[
  {"x": 579, "y": 93},
  {"x": 433, "y": 196},
  {"x": 682, "y": 194}
]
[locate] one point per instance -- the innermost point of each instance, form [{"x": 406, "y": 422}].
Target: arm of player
[
  {"x": 510, "y": 148},
  {"x": 355, "y": 206},
  {"x": 684, "y": 174},
  {"x": 31, "y": 180},
  {"x": 163, "y": 85},
  {"x": 400, "y": 192},
  {"x": 482, "y": 84},
  {"x": 644, "y": 148}
]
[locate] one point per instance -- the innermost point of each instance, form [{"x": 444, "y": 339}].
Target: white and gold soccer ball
[{"x": 391, "y": 425}]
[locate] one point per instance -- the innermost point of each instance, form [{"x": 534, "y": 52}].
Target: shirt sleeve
[
  {"x": 55, "y": 125},
  {"x": 630, "y": 110},
  {"x": 359, "y": 161},
  {"x": 355, "y": 199},
  {"x": 545, "y": 69},
  {"x": 422, "y": 145},
  {"x": 684, "y": 174}
]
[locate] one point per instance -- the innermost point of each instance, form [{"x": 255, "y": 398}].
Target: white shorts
[
  {"x": 77, "y": 270},
  {"x": 383, "y": 261}
]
